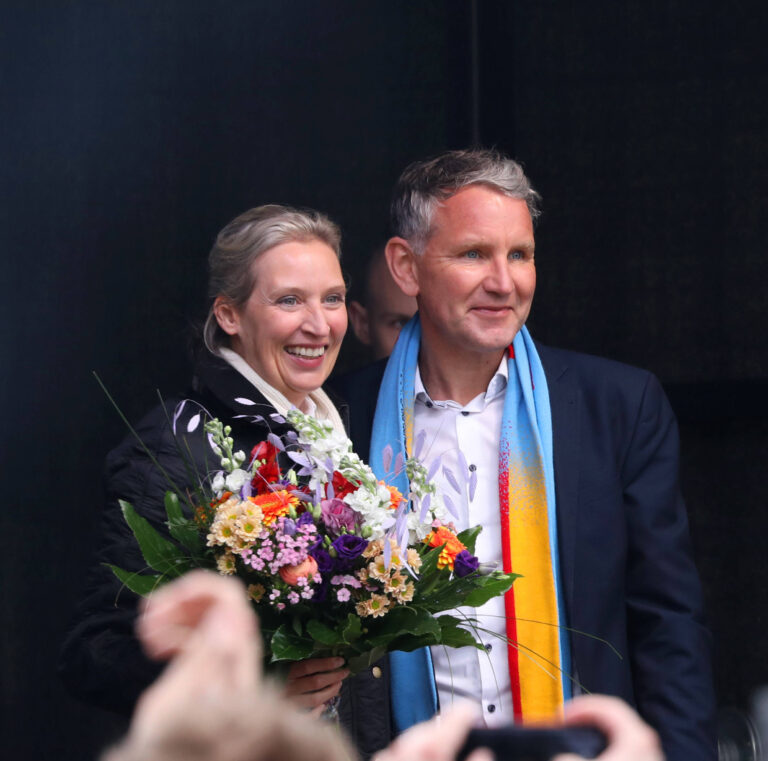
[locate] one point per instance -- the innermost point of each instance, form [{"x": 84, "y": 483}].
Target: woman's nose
[{"x": 315, "y": 321}]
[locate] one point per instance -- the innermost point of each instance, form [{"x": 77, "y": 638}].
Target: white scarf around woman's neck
[{"x": 316, "y": 404}]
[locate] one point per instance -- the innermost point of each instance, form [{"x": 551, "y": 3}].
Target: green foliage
[
  {"x": 324, "y": 634},
  {"x": 468, "y": 537},
  {"x": 286, "y": 645},
  {"x": 182, "y": 529},
  {"x": 140, "y": 585},
  {"x": 496, "y": 583}
]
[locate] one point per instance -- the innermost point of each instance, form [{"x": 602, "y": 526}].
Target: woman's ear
[
  {"x": 226, "y": 315},
  {"x": 403, "y": 265}
]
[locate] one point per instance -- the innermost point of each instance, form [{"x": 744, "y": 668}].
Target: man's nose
[{"x": 498, "y": 277}]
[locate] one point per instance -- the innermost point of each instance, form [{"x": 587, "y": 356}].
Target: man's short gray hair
[
  {"x": 243, "y": 241},
  {"x": 424, "y": 184}
]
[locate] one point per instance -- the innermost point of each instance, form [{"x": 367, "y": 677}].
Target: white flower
[
  {"x": 218, "y": 485},
  {"x": 235, "y": 480}
]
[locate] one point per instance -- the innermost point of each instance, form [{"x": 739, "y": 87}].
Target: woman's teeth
[{"x": 305, "y": 351}]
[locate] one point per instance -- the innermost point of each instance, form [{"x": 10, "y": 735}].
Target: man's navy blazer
[{"x": 633, "y": 597}]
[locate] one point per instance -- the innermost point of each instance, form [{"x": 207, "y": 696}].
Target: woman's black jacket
[{"x": 101, "y": 660}]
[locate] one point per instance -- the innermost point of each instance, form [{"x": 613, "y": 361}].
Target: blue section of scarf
[{"x": 414, "y": 694}]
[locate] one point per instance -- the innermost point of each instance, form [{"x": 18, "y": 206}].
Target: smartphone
[{"x": 515, "y": 743}]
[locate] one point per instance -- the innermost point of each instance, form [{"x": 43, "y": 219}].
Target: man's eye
[
  {"x": 472, "y": 254},
  {"x": 516, "y": 255}
]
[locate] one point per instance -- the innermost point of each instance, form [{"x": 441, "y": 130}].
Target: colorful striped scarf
[{"x": 538, "y": 651}]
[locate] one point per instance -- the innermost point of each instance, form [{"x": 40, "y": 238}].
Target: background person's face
[
  {"x": 379, "y": 323},
  {"x": 476, "y": 276},
  {"x": 290, "y": 329}
]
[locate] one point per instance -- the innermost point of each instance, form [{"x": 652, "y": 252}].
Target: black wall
[{"x": 132, "y": 131}]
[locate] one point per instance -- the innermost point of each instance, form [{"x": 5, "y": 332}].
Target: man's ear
[
  {"x": 402, "y": 262},
  {"x": 358, "y": 316},
  {"x": 226, "y": 315}
]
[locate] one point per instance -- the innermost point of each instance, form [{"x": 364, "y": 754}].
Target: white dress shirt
[{"x": 474, "y": 429}]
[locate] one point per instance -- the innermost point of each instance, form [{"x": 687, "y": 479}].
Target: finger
[
  {"x": 315, "y": 682},
  {"x": 313, "y": 665},
  {"x": 315, "y": 699},
  {"x": 485, "y": 754}
]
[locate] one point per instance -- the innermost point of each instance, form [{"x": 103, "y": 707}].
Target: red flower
[
  {"x": 269, "y": 472},
  {"x": 341, "y": 486}
]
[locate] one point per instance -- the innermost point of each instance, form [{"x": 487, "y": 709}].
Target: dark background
[{"x": 133, "y": 130}]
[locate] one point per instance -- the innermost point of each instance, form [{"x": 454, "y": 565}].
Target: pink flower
[
  {"x": 338, "y": 515},
  {"x": 291, "y": 574},
  {"x": 342, "y": 595}
]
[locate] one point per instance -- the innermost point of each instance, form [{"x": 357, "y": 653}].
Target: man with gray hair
[{"x": 569, "y": 463}]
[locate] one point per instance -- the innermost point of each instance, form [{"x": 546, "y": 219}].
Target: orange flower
[
  {"x": 444, "y": 536},
  {"x": 274, "y": 505},
  {"x": 291, "y": 574},
  {"x": 395, "y": 496}
]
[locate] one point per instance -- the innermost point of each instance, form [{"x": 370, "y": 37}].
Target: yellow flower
[
  {"x": 225, "y": 563},
  {"x": 394, "y": 583},
  {"x": 376, "y": 607},
  {"x": 413, "y": 559},
  {"x": 378, "y": 569},
  {"x": 256, "y": 592},
  {"x": 405, "y": 593},
  {"x": 248, "y": 525},
  {"x": 374, "y": 548}
]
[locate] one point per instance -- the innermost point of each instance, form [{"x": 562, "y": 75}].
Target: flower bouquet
[{"x": 336, "y": 561}]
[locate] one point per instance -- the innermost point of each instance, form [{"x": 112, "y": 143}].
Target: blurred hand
[
  {"x": 629, "y": 737},
  {"x": 210, "y": 703},
  {"x": 312, "y": 682},
  {"x": 438, "y": 739}
]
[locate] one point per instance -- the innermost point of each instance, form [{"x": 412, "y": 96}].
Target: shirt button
[
  {"x": 430, "y": 405},
  {"x": 491, "y": 708},
  {"x": 488, "y": 647},
  {"x": 465, "y": 413},
  {"x": 473, "y": 467},
  {"x": 376, "y": 671}
]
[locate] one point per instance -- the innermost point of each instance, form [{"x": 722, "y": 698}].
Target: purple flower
[
  {"x": 289, "y": 526},
  {"x": 349, "y": 547},
  {"x": 338, "y": 516},
  {"x": 325, "y": 563},
  {"x": 304, "y": 519},
  {"x": 464, "y": 563}
]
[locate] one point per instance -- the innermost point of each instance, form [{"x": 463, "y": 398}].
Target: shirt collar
[{"x": 496, "y": 387}]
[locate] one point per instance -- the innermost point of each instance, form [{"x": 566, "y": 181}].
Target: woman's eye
[
  {"x": 288, "y": 301},
  {"x": 335, "y": 298}
]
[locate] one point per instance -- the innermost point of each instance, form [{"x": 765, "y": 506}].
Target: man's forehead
[{"x": 479, "y": 209}]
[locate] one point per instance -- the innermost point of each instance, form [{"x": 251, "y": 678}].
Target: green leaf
[
  {"x": 297, "y": 627},
  {"x": 352, "y": 630},
  {"x": 159, "y": 554},
  {"x": 468, "y": 537},
  {"x": 495, "y": 584},
  {"x": 183, "y": 530},
  {"x": 141, "y": 585},
  {"x": 453, "y": 634},
  {"x": 286, "y": 646},
  {"x": 323, "y": 634},
  {"x": 401, "y": 621}
]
